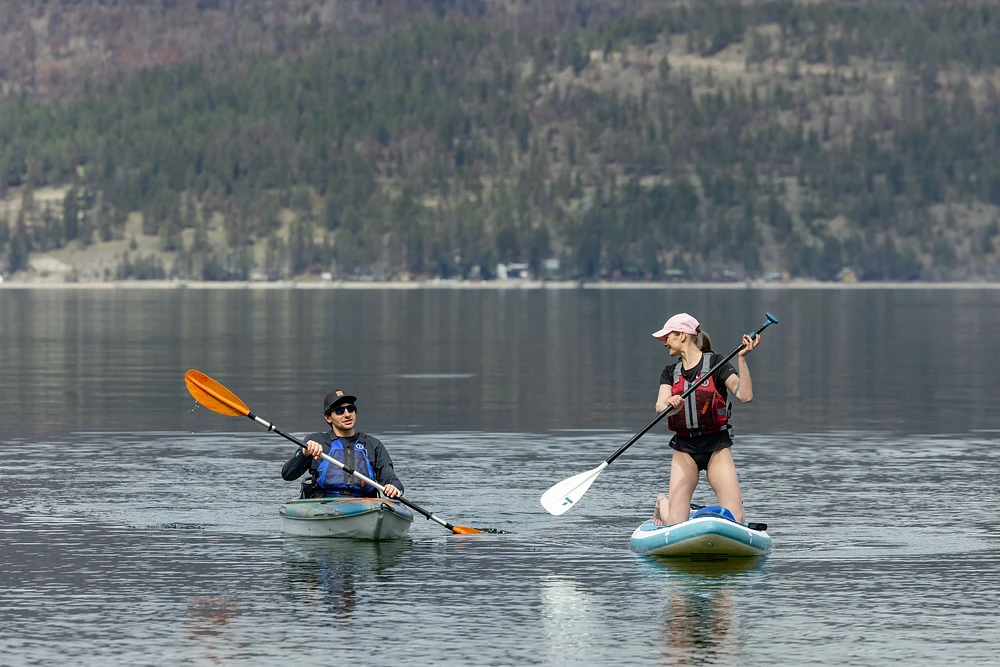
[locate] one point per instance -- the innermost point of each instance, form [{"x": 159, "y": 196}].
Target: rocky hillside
[{"x": 623, "y": 138}]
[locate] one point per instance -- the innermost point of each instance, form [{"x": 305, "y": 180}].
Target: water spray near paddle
[
  {"x": 214, "y": 396},
  {"x": 563, "y": 496}
]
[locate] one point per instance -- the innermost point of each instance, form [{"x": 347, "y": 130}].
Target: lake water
[{"x": 139, "y": 528}]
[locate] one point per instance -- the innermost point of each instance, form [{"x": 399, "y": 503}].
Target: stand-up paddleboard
[{"x": 706, "y": 533}]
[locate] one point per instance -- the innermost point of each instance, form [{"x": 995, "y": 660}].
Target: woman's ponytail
[{"x": 704, "y": 342}]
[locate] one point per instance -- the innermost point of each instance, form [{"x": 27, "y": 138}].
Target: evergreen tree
[{"x": 71, "y": 215}]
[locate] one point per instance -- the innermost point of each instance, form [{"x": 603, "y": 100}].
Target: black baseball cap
[{"x": 335, "y": 398}]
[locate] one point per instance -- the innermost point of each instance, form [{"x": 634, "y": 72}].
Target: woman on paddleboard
[{"x": 701, "y": 423}]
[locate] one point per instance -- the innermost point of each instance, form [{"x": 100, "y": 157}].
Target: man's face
[{"x": 344, "y": 421}]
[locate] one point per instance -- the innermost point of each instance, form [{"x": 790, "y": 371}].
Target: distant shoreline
[{"x": 482, "y": 285}]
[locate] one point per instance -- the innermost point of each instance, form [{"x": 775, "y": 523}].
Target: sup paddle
[
  {"x": 562, "y": 496},
  {"x": 217, "y": 398}
]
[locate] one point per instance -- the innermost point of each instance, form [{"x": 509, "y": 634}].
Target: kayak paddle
[
  {"x": 217, "y": 398},
  {"x": 562, "y": 496}
]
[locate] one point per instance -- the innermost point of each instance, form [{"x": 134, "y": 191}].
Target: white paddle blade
[{"x": 562, "y": 496}]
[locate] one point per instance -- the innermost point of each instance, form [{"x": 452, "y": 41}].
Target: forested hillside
[{"x": 625, "y": 138}]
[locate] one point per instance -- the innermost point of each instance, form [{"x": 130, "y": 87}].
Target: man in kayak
[
  {"x": 353, "y": 448},
  {"x": 701, "y": 423}
]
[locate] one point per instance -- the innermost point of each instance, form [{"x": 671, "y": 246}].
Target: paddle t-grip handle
[{"x": 771, "y": 319}]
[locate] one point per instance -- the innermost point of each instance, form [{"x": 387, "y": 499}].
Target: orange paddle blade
[
  {"x": 465, "y": 530},
  {"x": 213, "y": 395}
]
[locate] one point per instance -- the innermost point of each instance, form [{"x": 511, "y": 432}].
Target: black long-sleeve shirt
[{"x": 381, "y": 462}]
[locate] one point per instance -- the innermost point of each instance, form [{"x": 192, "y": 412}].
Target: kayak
[
  {"x": 358, "y": 518},
  {"x": 705, "y": 535}
]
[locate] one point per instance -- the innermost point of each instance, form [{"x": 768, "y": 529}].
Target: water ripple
[{"x": 193, "y": 567}]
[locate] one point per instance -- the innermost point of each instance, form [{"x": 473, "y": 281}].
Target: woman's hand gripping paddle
[
  {"x": 563, "y": 496},
  {"x": 217, "y": 398}
]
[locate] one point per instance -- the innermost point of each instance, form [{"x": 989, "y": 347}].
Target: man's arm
[
  {"x": 382, "y": 462},
  {"x": 295, "y": 466}
]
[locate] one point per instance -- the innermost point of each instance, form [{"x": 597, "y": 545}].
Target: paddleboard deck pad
[{"x": 701, "y": 537}]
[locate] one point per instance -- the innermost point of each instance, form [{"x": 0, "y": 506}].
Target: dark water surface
[{"x": 138, "y": 528}]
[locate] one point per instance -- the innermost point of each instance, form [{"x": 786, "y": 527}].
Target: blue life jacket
[{"x": 333, "y": 480}]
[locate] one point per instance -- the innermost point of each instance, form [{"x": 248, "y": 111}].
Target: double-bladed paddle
[
  {"x": 217, "y": 398},
  {"x": 562, "y": 496}
]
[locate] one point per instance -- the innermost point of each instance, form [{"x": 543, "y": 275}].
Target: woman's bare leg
[
  {"x": 722, "y": 476},
  {"x": 683, "y": 480},
  {"x": 660, "y": 509}
]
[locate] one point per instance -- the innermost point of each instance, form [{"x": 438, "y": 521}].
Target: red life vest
[{"x": 704, "y": 411}]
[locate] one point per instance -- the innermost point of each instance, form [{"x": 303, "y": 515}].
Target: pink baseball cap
[{"x": 681, "y": 322}]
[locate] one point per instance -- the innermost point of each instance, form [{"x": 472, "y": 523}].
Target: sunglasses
[{"x": 344, "y": 408}]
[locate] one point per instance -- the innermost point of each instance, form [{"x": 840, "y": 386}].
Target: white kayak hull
[
  {"x": 352, "y": 518},
  {"x": 706, "y": 536}
]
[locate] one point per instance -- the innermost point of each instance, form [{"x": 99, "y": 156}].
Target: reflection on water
[
  {"x": 570, "y": 617},
  {"x": 701, "y": 619},
  {"x": 207, "y": 622},
  {"x": 695, "y": 570},
  {"x": 332, "y": 573},
  {"x": 524, "y": 361},
  {"x": 700, "y": 626}
]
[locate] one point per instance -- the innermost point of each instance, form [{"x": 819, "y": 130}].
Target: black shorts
[
  {"x": 701, "y": 447},
  {"x": 701, "y": 459}
]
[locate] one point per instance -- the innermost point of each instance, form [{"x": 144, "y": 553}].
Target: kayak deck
[
  {"x": 703, "y": 536},
  {"x": 357, "y": 518}
]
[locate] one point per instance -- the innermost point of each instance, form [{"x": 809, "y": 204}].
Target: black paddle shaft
[
  {"x": 347, "y": 469},
  {"x": 771, "y": 319}
]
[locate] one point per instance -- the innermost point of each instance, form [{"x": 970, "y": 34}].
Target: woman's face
[{"x": 674, "y": 341}]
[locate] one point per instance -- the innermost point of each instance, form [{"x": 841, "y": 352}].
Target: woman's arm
[
  {"x": 666, "y": 399},
  {"x": 740, "y": 385}
]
